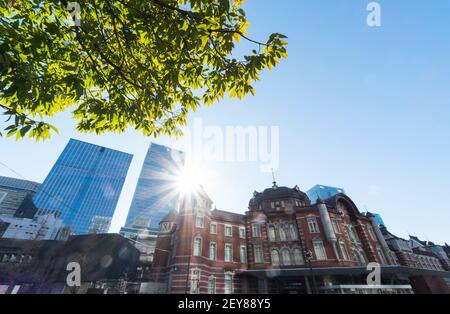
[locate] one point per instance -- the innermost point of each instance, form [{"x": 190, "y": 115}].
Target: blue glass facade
[
  {"x": 323, "y": 192},
  {"x": 378, "y": 219},
  {"x": 156, "y": 193},
  {"x": 84, "y": 186}
]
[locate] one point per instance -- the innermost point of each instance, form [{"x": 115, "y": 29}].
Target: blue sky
[{"x": 366, "y": 109}]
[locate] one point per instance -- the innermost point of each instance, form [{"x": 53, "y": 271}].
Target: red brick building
[{"x": 282, "y": 244}]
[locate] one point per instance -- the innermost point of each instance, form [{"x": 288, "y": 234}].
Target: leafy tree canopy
[{"x": 127, "y": 63}]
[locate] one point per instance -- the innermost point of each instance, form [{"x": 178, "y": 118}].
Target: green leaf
[{"x": 123, "y": 67}]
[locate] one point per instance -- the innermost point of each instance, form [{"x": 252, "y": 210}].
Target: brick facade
[{"x": 276, "y": 233}]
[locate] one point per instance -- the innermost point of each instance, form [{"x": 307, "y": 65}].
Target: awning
[{"x": 305, "y": 271}]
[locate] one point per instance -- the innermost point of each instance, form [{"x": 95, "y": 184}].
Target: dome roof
[{"x": 277, "y": 192}]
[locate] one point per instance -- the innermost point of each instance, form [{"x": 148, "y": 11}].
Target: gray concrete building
[{"x": 15, "y": 197}]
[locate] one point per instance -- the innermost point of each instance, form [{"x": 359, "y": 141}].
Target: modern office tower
[
  {"x": 15, "y": 197},
  {"x": 323, "y": 192},
  {"x": 156, "y": 192},
  {"x": 378, "y": 219},
  {"x": 84, "y": 186}
]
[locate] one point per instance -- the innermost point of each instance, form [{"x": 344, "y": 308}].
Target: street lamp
[{"x": 309, "y": 256}]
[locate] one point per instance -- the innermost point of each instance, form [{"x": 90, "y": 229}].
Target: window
[
  {"x": 228, "y": 284},
  {"x": 271, "y": 232},
  {"x": 197, "y": 246},
  {"x": 275, "y": 257},
  {"x": 286, "y": 257},
  {"x": 242, "y": 232},
  {"x": 3, "y": 195},
  {"x": 228, "y": 252},
  {"x": 298, "y": 257},
  {"x": 256, "y": 230},
  {"x": 381, "y": 256},
  {"x": 258, "y": 254},
  {"x": 212, "y": 251},
  {"x": 344, "y": 251},
  {"x": 243, "y": 254},
  {"x": 165, "y": 226},
  {"x": 199, "y": 220},
  {"x": 335, "y": 225},
  {"x": 228, "y": 231},
  {"x": 195, "y": 278},
  {"x": 360, "y": 257},
  {"x": 371, "y": 232},
  {"x": 213, "y": 228},
  {"x": 352, "y": 234},
  {"x": 212, "y": 285},
  {"x": 293, "y": 232},
  {"x": 319, "y": 249},
  {"x": 282, "y": 233},
  {"x": 272, "y": 204},
  {"x": 312, "y": 225}
]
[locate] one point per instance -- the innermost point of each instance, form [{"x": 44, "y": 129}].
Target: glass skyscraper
[
  {"x": 84, "y": 186},
  {"x": 156, "y": 192},
  {"x": 323, "y": 192}
]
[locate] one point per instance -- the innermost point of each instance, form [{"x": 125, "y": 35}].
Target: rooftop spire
[{"x": 275, "y": 186}]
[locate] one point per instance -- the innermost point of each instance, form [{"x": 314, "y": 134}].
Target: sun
[{"x": 191, "y": 179}]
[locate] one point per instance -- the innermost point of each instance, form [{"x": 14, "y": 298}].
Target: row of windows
[
  {"x": 195, "y": 280},
  {"x": 228, "y": 251},
  {"x": 282, "y": 232},
  {"x": 314, "y": 228},
  {"x": 358, "y": 252},
  {"x": 284, "y": 256},
  {"x": 287, "y": 257},
  {"x": 295, "y": 256},
  {"x": 278, "y": 205},
  {"x": 285, "y": 232},
  {"x": 14, "y": 258},
  {"x": 228, "y": 230},
  {"x": 427, "y": 262}
]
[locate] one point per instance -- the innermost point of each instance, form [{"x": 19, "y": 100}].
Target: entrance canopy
[{"x": 342, "y": 271}]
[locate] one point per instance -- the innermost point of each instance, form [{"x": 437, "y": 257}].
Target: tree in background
[{"x": 123, "y": 63}]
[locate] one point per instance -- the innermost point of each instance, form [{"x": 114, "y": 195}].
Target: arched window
[
  {"x": 275, "y": 257},
  {"x": 212, "y": 285},
  {"x": 293, "y": 232},
  {"x": 381, "y": 256},
  {"x": 360, "y": 256},
  {"x": 286, "y": 257},
  {"x": 195, "y": 280},
  {"x": 282, "y": 233},
  {"x": 344, "y": 251},
  {"x": 5, "y": 258},
  {"x": 228, "y": 283},
  {"x": 197, "y": 246},
  {"x": 298, "y": 257},
  {"x": 352, "y": 234},
  {"x": 271, "y": 233}
]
